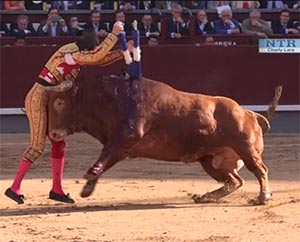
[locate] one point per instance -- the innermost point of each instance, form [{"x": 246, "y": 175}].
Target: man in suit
[
  {"x": 95, "y": 24},
  {"x": 284, "y": 25},
  {"x": 147, "y": 27},
  {"x": 22, "y": 28},
  {"x": 176, "y": 26},
  {"x": 278, "y": 4},
  {"x": 54, "y": 25},
  {"x": 215, "y": 4},
  {"x": 226, "y": 24},
  {"x": 127, "y": 6},
  {"x": 120, "y": 16},
  {"x": 4, "y": 31},
  {"x": 33, "y": 5},
  {"x": 70, "y": 5},
  {"x": 75, "y": 29},
  {"x": 203, "y": 26},
  {"x": 166, "y": 5},
  {"x": 256, "y": 26},
  {"x": 152, "y": 40},
  {"x": 79, "y": 5}
]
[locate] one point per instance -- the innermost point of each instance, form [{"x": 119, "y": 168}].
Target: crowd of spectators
[
  {"x": 177, "y": 26},
  {"x": 146, "y": 5}
]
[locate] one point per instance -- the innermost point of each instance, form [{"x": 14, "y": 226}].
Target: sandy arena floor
[{"x": 148, "y": 200}]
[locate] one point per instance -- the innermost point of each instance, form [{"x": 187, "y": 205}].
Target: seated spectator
[
  {"x": 95, "y": 24},
  {"x": 54, "y": 25},
  {"x": 70, "y": 5},
  {"x": 147, "y": 27},
  {"x": 176, "y": 26},
  {"x": 196, "y": 4},
  {"x": 209, "y": 41},
  {"x": 76, "y": 5},
  {"x": 244, "y": 4},
  {"x": 120, "y": 16},
  {"x": 104, "y": 4},
  {"x": 34, "y": 5},
  {"x": 127, "y": 6},
  {"x": 147, "y": 5},
  {"x": 152, "y": 40},
  {"x": 296, "y": 5},
  {"x": 20, "y": 41},
  {"x": 256, "y": 26},
  {"x": 75, "y": 29},
  {"x": 226, "y": 24},
  {"x": 298, "y": 26},
  {"x": 215, "y": 4},
  {"x": 276, "y": 4},
  {"x": 167, "y": 5},
  {"x": 14, "y": 5},
  {"x": 289, "y": 3},
  {"x": 284, "y": 25},
  {"x": 203, "y": 26},
  {"x": 4, "y": 31},
  {"x": 22, "y": 28}
]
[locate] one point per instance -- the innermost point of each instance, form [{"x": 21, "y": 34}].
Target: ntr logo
[
  {"x": 280, "y": 43},
  {"x": 283, "y": 46}
]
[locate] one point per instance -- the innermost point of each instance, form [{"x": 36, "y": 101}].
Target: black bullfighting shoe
[
  {"x": 60, "y": 198},
  {"x": 14, "y": 196}
]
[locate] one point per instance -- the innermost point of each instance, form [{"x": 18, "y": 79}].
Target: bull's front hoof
[
  {"x": 88, "y": 188},
  {"x": 90, "y": 177},
  {"x": 203, "y": 199}
]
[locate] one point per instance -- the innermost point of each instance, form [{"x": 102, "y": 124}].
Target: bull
[{"x": 174, "y": 126}]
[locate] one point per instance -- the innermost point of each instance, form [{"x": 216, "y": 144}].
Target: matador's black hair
[{"x": 88, "y": 41}]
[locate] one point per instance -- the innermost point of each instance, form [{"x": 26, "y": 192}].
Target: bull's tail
[
  {"x": 263, "y": 123},
  {"x": 273, "y": 105},
  {"x": 263, "y": 120}
]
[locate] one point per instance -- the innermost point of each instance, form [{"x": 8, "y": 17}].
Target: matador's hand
[
  {"x": 62, "y": 87},
  {"x": 135, "y": 25}
]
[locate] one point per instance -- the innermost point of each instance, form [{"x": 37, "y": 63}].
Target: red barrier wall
[{"x": 239, "y": 72}]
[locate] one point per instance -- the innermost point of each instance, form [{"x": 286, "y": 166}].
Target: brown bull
[{"x": 174, "y": 126}]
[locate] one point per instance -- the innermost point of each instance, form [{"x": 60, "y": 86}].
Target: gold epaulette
[{"x": 69, "y": 48}]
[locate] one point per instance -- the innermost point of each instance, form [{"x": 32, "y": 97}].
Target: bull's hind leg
[
  {"x": 251, "y": 155},
  {"x": 230, "y": 177},
  {"x": 259, "y": 169}
]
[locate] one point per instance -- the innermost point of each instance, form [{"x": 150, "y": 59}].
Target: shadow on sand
[{"x": 65, "y": 210}]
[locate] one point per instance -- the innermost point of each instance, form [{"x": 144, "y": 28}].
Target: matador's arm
[
  {"x": 111, "y": 57},
  {"x": 96, "y": 56}
]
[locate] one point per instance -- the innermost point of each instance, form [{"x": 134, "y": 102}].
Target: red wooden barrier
[
  {"x": 240, "y": 39},
  {"x": 239, "y": 72}
]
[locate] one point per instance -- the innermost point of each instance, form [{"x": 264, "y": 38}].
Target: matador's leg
[{"x": 35, "y": 104}]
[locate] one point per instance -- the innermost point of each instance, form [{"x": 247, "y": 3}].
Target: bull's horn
[{"x": 62, "y": 87}]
